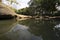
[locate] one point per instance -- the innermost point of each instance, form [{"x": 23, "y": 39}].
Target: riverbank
[{"x": 24, "y": 17}]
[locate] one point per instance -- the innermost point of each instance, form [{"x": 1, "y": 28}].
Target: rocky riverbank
[{"x": 6, "y": 12}]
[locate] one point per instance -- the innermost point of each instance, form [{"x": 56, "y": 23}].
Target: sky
[{"x": 22, "y": 4}]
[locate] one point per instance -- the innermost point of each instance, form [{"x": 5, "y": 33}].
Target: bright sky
[{"x": 22, "y": 4}]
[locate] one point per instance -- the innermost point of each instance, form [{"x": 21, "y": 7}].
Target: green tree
[
  {"x": 35, "y": 7},
  {"x": 49, "y": 5},
  {"x": 44, "y": 5}
]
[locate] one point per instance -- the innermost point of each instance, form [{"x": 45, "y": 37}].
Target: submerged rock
[{"x": 6, "y": 12}]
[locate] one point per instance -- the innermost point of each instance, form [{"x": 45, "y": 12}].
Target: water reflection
[
  {"x": 5, "y": 26},
  {"x": 57, "y": 30},
  {"x": 43, "y": 28},
  {"x": 57, "y": 27},
  {"x": 30, "y": 29},
  {"x": 19, "y": 32}
]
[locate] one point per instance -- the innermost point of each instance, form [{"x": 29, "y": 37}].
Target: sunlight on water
[{"x": 57, "y": 26}]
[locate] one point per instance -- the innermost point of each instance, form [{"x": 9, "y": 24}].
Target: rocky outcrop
[{"x": 6, "y": 12}]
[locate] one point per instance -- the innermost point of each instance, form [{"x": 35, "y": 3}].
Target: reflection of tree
[{"x": 44, "y": 28}]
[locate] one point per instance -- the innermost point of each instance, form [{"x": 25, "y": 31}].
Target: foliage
[
  {"x": 40, "y": 8},
  {"x": 35, "y": 7},
  {"x": 48, "y": 5},
  {"x": 43, "y": 6},
  {"x": 25, "y": 11}
]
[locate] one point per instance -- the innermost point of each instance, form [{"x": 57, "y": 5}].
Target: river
[{"x": 30, "y": 29}]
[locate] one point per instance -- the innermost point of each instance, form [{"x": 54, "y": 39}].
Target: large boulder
[{"x": 6, "y": 12}]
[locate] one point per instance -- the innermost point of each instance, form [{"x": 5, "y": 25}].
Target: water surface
[{"x": 31, "y": 29}]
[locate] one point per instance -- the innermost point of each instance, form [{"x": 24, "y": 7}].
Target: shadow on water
[{"x": 31, "y": 29}]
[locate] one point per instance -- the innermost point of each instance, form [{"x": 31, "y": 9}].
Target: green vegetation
[
  {"x": 41, "y": 8},
  {"x": 25, "y": 11}
]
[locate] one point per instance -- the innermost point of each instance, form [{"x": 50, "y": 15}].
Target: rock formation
[{"x": 6, "y": 12}]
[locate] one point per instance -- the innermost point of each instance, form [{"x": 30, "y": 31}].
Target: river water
[{"x": 31, "y": 29}]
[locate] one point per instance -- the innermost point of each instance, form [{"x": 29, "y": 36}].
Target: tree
[
  {"x": 48, "y": 5},
  {"x": 35, "y": 7},
  {"x": 44, "y": 5}
]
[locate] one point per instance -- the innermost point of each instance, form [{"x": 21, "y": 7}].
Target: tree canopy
[
  {"x": 44, "y": 6},
  {"x": 48, "y": 5}
]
